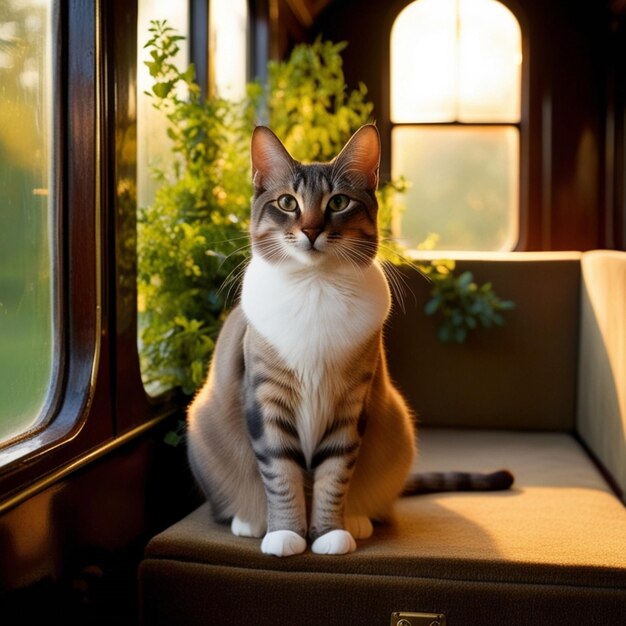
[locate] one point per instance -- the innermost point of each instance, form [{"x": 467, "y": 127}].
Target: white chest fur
[{"x": 314, "y": 320}]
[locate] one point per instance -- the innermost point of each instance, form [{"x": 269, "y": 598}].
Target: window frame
[
  {"x": 522, "y": 125},
  {"x": 99, "y": 402}
]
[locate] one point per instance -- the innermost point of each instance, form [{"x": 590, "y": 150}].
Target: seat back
[
  {"x": 601, "y": 419},
  {"x": 519, "y": 376}
]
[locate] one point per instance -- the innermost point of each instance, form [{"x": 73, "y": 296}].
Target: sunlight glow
[
  {"x": 456, "y": 60},
  {"x": 153, "y": 144},
  {"x": 228, "y": 36},
  {"x": 464, "y": 185}
]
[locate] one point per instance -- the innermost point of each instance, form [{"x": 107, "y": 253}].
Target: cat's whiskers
[
  {"x": 233, "y": 281},
  {"x": 345, "y": 255},
  {"x": 273, "y": 249},
  {"x": 247, "y": 246},
  {"x": 398, "y": 283}
]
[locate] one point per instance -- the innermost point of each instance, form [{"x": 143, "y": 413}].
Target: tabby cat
[{"x": 298, "y": 431}]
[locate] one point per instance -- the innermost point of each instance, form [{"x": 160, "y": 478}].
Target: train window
[
  {"x": 27, "y": 216},
  {"x": 455, "y": 113}
]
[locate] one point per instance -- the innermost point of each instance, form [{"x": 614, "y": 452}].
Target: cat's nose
[{"x": 312, "y": 233}]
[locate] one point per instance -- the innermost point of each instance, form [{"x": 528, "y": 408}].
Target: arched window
[{"x": 455, "y": 113}]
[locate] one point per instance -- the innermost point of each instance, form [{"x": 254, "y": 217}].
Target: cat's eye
[
  {"x": 287, "y": 203},
  {"x": 338, "y": 202}
]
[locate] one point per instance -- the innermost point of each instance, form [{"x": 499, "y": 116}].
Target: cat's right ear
[{"x": 271, "y": 163}]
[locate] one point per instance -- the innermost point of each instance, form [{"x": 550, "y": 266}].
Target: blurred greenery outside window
[
  {"x": 455, "y": 112},
  {"x": 27, "y": 216}
]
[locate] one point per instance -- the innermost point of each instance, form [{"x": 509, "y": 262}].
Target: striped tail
[{"x": 437, "y": 482}]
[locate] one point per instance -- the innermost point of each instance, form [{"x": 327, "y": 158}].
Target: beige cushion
[
  {"x": 551, "y": 550},
  {"x": 602, "y": 373},
  {"x": 523, "y": 375}
]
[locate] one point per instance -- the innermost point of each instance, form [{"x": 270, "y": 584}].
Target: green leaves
[
  {"x": 308, "y": 104},
  {"x": 462, "y": 304},
  {"x": 192, "y": 238}
]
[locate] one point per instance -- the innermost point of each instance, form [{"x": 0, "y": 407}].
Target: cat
[{"x": 299, "y": 431}]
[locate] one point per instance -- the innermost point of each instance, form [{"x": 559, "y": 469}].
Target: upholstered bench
[{"x": 544, "y": 396}]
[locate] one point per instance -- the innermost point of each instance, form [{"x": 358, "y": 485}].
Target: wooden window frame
[{"x": 99, "y": 401}]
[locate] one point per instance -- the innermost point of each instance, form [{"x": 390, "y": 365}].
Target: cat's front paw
[
  {"x": 283, "y": 543},
  {"x": 246, "y": 529},
  {"x": 334, "y": 542}
]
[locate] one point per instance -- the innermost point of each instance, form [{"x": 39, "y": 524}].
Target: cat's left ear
[{"x": 360, "y": 158}]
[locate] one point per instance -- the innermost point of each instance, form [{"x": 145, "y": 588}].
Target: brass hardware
[{"x": 402, "y": 618}]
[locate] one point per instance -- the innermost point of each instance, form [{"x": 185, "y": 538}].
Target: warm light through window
[
  {"x": 456, "y": 108},
  {"x": 464, "y": 185},
  {"x": 153, "y": 144},
  {"x": 455, "y": 60},
  {"x": 228, "y": 23}
]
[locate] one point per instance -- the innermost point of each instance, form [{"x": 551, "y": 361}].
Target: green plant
[
  {"x": 462, "y": 305},
  {"x": 193, "y": 236},
  {"x": 309, "y": 107}
]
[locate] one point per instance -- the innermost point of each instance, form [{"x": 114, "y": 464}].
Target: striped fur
[
  {"x": 437, "y": 482},
  {"x": 298, "y": 431}
]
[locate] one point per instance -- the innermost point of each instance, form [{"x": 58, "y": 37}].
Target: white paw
[
  {"x": 246, "y": 529},
  {"x": 334, "y": 542},
  {"x": 283, "y": 543},
  {"x": 359, "y": 526}
]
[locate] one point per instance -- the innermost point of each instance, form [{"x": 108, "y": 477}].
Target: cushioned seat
[
  {"x": 550, "y": 551},
  {"x": 553, "y": 548}
]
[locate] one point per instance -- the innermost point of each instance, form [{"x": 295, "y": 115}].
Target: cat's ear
[
  {"x": 360, "y": 158},
  {"x": 271, "y": 163}
]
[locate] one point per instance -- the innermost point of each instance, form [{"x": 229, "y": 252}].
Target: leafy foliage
[
  {"x": 192, "y": 237},
  {"x": 309, "y": 107},
  {"x": 462, "y": 305}
]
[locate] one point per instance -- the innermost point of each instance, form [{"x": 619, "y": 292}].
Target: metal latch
[{"x": 401, "y": 618}]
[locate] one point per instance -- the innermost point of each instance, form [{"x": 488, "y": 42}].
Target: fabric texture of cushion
[{"x": 550, "y": 550}]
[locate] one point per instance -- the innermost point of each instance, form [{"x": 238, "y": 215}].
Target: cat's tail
[{"x": 437, "y": 482}]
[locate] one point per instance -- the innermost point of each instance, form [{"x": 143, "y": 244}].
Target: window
[
  {"x": 455, "y": 112},
  {"x": 228, "y": 36},
  {"x": 27, "y": 216}
]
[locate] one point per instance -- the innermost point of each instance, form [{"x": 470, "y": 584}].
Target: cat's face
[{"x": 317, "y": 214}]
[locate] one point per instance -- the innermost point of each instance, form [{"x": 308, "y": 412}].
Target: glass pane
[
  {"x": 26, "y": 312},
  {"x": 423, "y": 62},
  {"x": 228, "y": 38},
  {"x": 464, "y": 185},
  {"x": 455, "y": 60},
  {"x": 153, "y": 144},
  {"x": 490, "y": 62},
  {"x": 154, "y": 147}
]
